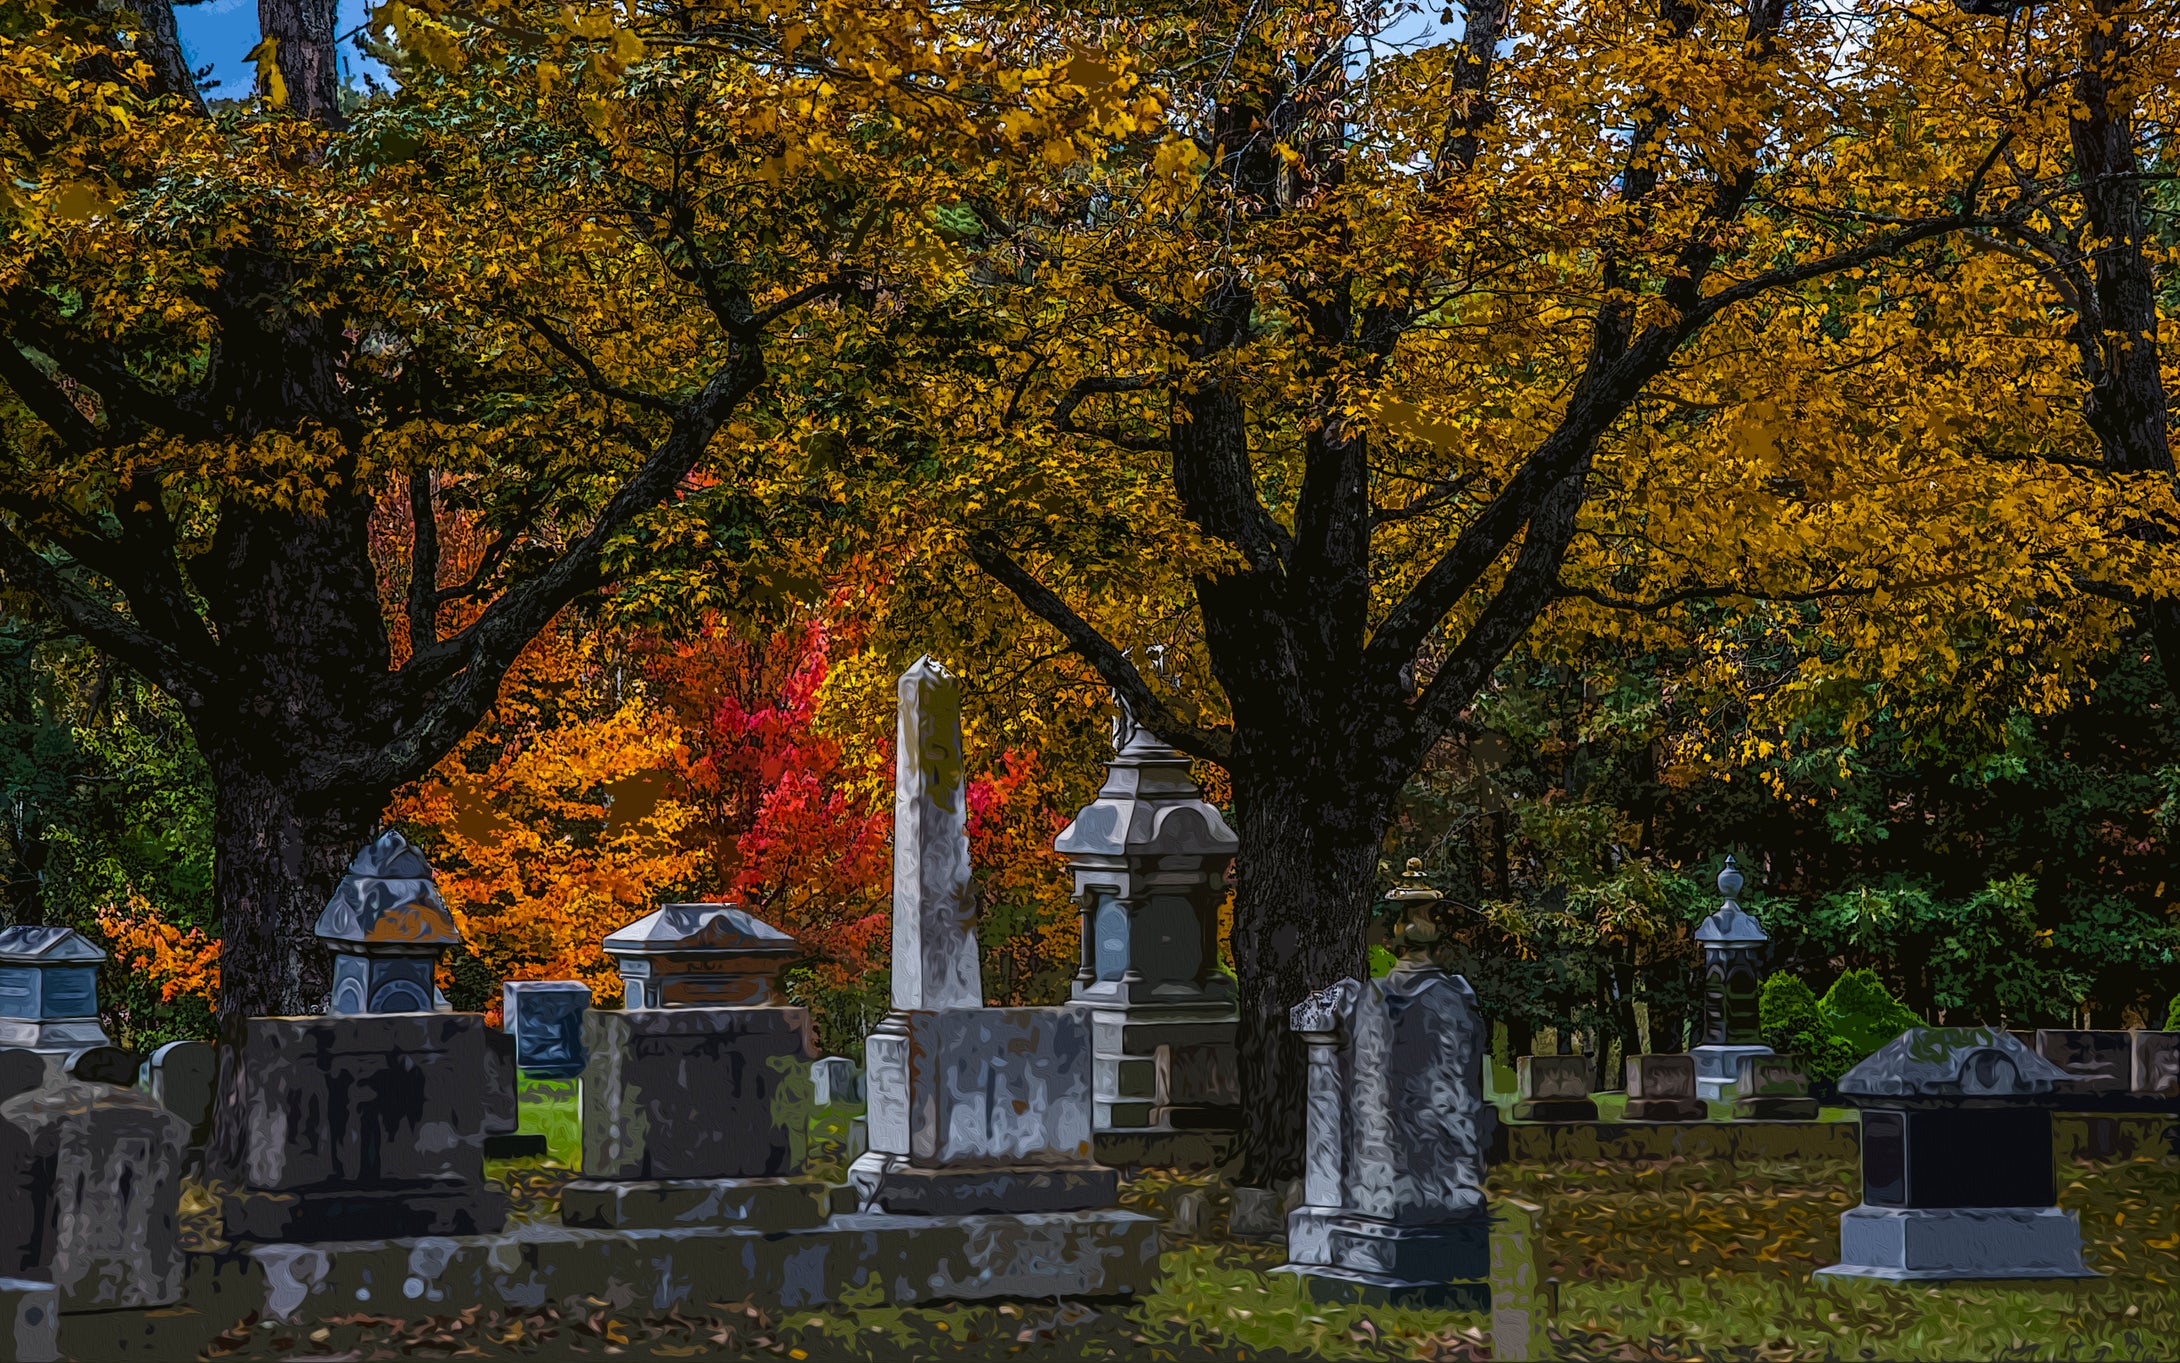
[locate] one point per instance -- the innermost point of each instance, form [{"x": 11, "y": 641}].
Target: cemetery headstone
[
  {"x": 1397, "y": 1131},
  {"x": 700, "y": 955},
  {"x": 503, "y": 1136},
  {"x": 1733, "y": 950},
  {"x": 1957, "y": 1171},
  {"x": 104, "y": 1065},
  {"x": 1773, "y": 1088},
  {"x": 1554, "y": 1088},
  {"x": 98, "y": 1169},
  {"x": 835, "y": 1079},
  {"x": 1150, "y": 857},
  {"x": 49, "y": 989},
  {"x": 22, "y": 1070},
  {"x": 1662, "y": 1088},
  {"x": 184, "y": 1078},
  {"x": 546, "y": 1019},
  {"x": 364, "y": 1127},
  {"x": 2099, "y": 1062},
  {"x": 2153, "y": 1066}
]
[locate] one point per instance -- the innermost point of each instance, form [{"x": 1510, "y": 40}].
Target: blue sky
[{"x": 221, "y": 31}]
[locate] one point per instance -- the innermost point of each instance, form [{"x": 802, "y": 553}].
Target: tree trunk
[
  {"x": 309, "y": 64},
  {"x": 1301, "y": 905}
]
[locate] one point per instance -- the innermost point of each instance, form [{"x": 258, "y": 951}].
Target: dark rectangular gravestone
[{"x": 1958, "y": 1157}]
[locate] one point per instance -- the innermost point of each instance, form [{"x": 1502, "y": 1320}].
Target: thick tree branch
[
  {"x": 445, "y": 688},
  {"x": 1149, "y": 709},
  {"x": 189, "y": 682},
  {"x": 423, "y": 563},
  {"x": 47, "y": 401}
]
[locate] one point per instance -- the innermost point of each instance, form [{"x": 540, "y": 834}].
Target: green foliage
[
  {"x": 1861, "y": 1014},
  {"x": 2172, "y": 1014},
  {"x": 1793, "y": 1024}
]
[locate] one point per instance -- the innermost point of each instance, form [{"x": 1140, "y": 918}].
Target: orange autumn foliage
[{"x": 177, "y": 960}]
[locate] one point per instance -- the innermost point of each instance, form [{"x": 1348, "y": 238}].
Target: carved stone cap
[
  {"x": 47, "y": 946},
  {"x": 1953, "y": 1063},
  {"x": 701, "y": 929},
  {"x": 388, "y": 902},
  {"x": 1322, "y": 1012}
]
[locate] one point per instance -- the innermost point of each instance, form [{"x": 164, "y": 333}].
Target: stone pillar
[
  {"x": 1149, "y": 857},
  {"x": 1317, "y": 1019},
  {"x": 1733, "y": 945},
  {"x": 934, "y": 928}
]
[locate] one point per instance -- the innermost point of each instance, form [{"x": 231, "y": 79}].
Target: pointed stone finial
[
  {"x": 1418, "y": 933},
  {"x": 1729, "y": 880}
]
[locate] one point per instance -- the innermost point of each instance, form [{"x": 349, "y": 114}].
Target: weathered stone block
[
  {"x": 450, "y": 1207},
  {"x": 696, "y": 1093},
  {"x": 546, "y": 1019},
  {"x": 999, "y": 1086},
  {"x": 1906, "y": 1244},
  {"x": 502, "y": 1096},
  {"x": 1554, "y": 1088},
  {"x": 184, "y": 1078},
  {"x": 1662, "y": 1088},
  {"x": 1772, "y": 1088},
  {"x": 2154, "y": 1064},
  {"x": 835, "y": 1079},
  {"x": 960, "y": 1192},
  {"x": 375, "y": 1100},
  {"x": 767, "y": 1204},
  {"x": 2098, "y": 1062},
  {"x": 102, "y": 1168}
]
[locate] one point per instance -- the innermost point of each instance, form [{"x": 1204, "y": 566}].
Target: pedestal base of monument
[
  {"x": 907, "y": 1259},
  {"x": 765, "y": 1204},
  {"x": 1667, "y": 1110},
  {"x": 30, "y": 1314},
  {"x": 362, "y": 1213},
  {"x": 1556, "y": 1110},
  {"x": 1167, "y": 1148},
  {"x": 1764, "y": 1108},
  {"x": 1344, "y": 1257},
  {"x": 1913, "y": 1244},
  {"x": 888, "y": 1183},
  {"x": 1718, "y": 1069}
]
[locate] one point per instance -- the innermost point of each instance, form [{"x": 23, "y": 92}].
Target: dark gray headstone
[
  {"x": 104, "y": 1065},
  {"x": 184, "y": 1077},
  {"x": 681, "y": 1093},
  {"x": 20, "y": 1072},
  {"x": 545, "y": 1017},
  {"x": 106, "y": 1165}
]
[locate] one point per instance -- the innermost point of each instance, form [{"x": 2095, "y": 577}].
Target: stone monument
[
  {"x": 95, "y": 1193},
  {"x": 1662, "y": 1088},
  {"x": 1957, "y": 1169},
  {"x": 835, "y": 1079},
  {"x": 386, "y": 927},
  {"x": 970, "y": 1109},
  {"x": 184, "y": 1078},
  {"x": 1554, "y": 1088},
  {"x": 1393, "y": 1200},
  {"x": 1149, "y": 858},
  {"x": 1733, "y": 947},
  {"x": 370, "y": 1123},
  {"x": 700, "y": 955},
  {"x": 49, "y": 990},
  {"x": 545, "y": 1017},
  {"x": 699, "y": 1115},
  {"x": 1772, "y": 1088}
]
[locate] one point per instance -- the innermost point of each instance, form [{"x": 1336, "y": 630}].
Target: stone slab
[
  {"x": 184, "y": 1078},
  {"x": 909, "y": 1259},
  {"x": 2097, "y": 1061},
  {"x": 1718, "y": 1069},
  {"x": 2154, "y": 1064},
  {"x": 1775, "y": 1109},
  {"x": 960, "y": 1192},
  {"x": 999, "y": 1087},
  {"x": 1700, "y": 1142},
  {"x": 363, "y": 1213},
  {"x": 366, "y": 1101},
  {"x": 1342, "y": 1286},
  {"x": 679, "y": 1093},
  {"x": 765, "y": 1204},
  {"x": 1654, "y": 1077},
  {"x": 1924, "y": 1243},
  {"x": 99, "y": 1173},
  {"x": 1553, "y": 1076},
  {"x": 1190, "y": 1150},
  {"x": 1555, "y": 1110},
  {"x": 1669, "y": 1110},
  {"x": 502, "y": 1085},
  {"x": 835, "y": 1079},
  {"x": 546, "y": 1019}
]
